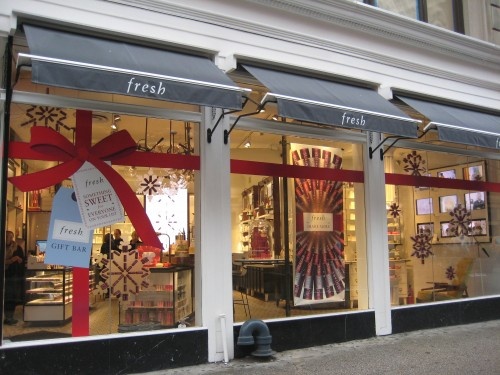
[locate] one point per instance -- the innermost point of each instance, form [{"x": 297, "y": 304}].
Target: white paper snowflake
[
  {"x": 124, "y": 273},
  {"x": 150, "y": 184}
]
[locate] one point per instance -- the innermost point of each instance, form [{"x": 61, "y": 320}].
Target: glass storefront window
[
  {"x": 447, "y": 226},
  {"x": 321, "y": 233},
  {"x": 161, "y": 177}
]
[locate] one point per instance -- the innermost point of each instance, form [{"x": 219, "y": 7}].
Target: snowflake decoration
[
  {"x": 47, "y": 115},
  {"x": 422, "y": 245},
  {"x": 124, "y": 273},
  {"x": 97, "y": 259},
  {"x": 450, "y": 273},
  {"x": 150, "y": 184},
  {"x": 460, "y": 221},
  {"x": 100, "y": 290},
  {"x": 414, "y": 164},
  {"x": 394, "y": 210}
]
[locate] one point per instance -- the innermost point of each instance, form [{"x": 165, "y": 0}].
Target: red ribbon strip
[
  {"x": 295, "y": 171},
  {"x": 115, "y": 147}
]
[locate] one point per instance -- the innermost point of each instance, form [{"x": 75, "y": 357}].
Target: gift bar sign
[
  {"x": 69, "y": 242},
  {"x": 98, "y": 203}
]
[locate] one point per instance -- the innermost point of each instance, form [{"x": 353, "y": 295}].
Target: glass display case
[
  {"x": 49, "y": 295},
  {"x": 165, "y": 301}
]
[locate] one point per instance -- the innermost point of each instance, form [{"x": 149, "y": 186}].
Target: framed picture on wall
[
  {"x": 475, "y": 201},
  {"x": 478, "y": 227},
  {"x": 427, "y": 228},
  {"x": 474, "y": 173},
  {"x": 447, "y": 203},
  {"x": 424, "y": 206},
  {"x": 446, "y": 229},
  {"x": 450, "y": 173}
]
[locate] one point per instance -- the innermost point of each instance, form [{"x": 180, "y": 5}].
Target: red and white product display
[{"x": 319, "y": 254}]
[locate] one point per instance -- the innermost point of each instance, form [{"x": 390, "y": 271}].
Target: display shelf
[
  {"x": 393, "y": 229},
  {"x": 261, "y": 209},
  {"x": 49, "y": 295},
  {"x": 165, "y": 301},
  {"x": 398, "y": 273}
]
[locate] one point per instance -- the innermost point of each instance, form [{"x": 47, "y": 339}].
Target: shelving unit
[
  {"x": 398, "y": 271},
  {"x": 166, "y": 301},
  {"x": 49, "y": 295},
  {"x": 261, "y": 208},
  {"x": 393, "y": 229},
  {"x": 350, "y": 218}
]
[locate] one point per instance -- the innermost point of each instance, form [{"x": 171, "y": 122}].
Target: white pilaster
[
  {"x": 376, "y": 231},
  {"x": 213, "y": 280}
]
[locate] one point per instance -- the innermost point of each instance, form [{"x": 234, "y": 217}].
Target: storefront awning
[
  {"x": 325, "y": 102},
  {"x": 90, "y": 63},
  {"x": 459, "y": 125}
]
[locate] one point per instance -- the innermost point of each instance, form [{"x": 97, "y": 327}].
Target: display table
[{"x": 265, "y": 278}]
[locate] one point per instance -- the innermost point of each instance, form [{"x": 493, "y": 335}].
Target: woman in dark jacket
[
  {"x": 14, "y": 277},
  {"x": 107, "y": 244}
]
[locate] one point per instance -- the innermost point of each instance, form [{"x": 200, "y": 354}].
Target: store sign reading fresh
[
  {"x": 318, "y": 222},
  {"x": 69, "y": 242},
  {"x": 98, "y": 203},
  {"x": 352, "y": 120}
]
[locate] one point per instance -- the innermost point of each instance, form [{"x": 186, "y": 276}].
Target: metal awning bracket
[
  {"x": 210, "y": 132},
  {"x": 396, "y": 139},
  {"x": 260, "y": 107}
]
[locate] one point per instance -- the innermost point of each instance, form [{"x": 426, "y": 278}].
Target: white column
[
  {"x": 376, "y": 233},
  {"x": 213, "y": 275}
]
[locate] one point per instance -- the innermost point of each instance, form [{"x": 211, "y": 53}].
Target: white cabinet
[
  {"x": 165, "y": 301},
  {"x": 399, "y": 270}
]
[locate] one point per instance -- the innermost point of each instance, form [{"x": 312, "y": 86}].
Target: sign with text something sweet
[{"x": 97, "y": 201}]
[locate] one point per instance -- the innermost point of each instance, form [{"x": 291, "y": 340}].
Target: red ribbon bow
[{"x": 116, "y": 146}]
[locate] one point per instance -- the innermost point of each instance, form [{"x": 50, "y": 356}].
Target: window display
[{"x": 451, "y": 222}]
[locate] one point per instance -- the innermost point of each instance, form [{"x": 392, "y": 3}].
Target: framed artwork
[
  {"x": 450, "y": 173},
  {"x": 447, "y": 200},
  {"x": 426, "y": 228},
  {"x": 475, "y": 201},
  {"x": 447, "y": 203},
  {"x": 424, "y": 206},
  {"x": 474, "y": 172},
  {"x": 445, "y": 229},
  {"x": 478, "y": 227}
]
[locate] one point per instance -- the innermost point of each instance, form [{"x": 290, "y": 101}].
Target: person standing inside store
[
  {"x": 135, "y": 242},
  {"x": 108, "y": 244},
  {"x": 14, "y": 277},
  {"x": 118, "y": 238}
]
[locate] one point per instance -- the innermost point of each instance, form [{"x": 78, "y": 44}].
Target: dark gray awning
[
  {"x": 331, "y": 103},
  {"x": 459, "y": 125},
  {"x": 89, "y": 63}
]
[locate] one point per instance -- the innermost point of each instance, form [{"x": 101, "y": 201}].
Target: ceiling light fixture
[
  {"x": 116, "y": 118},
  {"x": 247, "y": 143}
]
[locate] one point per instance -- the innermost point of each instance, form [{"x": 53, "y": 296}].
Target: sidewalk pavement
[{"x": 465, "y": 349}]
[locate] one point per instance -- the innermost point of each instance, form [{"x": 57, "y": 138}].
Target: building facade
[{"x": 328, "y": 167}]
